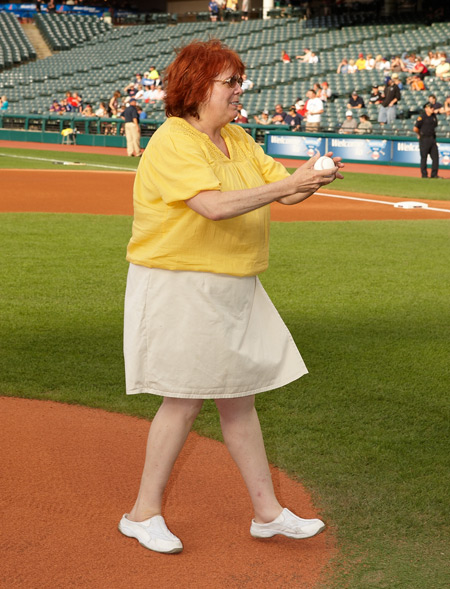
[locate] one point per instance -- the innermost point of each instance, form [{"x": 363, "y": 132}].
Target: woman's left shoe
[
  {"x": 287, "y": 524},
  {"x": 152, "y": 534}
]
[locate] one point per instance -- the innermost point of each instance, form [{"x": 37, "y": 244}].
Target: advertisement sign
[
  {"x": 364, "y": 150},
  {"x": 407, "y": 152},
  {"x": 294, "y": 146}
]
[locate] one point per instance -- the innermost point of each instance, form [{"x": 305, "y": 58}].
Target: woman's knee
[{"x": 235, "y": 408}]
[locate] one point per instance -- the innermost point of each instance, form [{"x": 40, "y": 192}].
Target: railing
[{"x": 276, "y": 140}]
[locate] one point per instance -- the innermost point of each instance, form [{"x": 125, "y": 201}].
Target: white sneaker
[
  {"x": 152, "y": 534},
  {"x": 288, "y": 524}
]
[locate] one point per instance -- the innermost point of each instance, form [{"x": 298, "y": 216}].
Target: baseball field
[{"x": 361, "y": 277}]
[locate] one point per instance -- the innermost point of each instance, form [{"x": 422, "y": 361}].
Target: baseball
[{"x": 324, "y": 163}]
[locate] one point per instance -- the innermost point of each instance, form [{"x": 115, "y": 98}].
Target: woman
[
  {"x": 114, "y": 104},
  {"x": 198, "y": 324}
]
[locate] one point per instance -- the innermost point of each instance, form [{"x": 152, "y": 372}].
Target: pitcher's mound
[{"x": 69, "y": 474}]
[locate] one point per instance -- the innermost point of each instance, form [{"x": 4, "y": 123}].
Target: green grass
[
  {"x": 375, "y": 183},
  {"x": 365, "y": 431},
  {"x": 399, "y": 186},
  {"x": 15, "y": 158}
]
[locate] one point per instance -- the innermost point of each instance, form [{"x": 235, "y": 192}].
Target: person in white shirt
[
  {"x": 246, "y": 84},
  {"x": 314, "y": 110}
]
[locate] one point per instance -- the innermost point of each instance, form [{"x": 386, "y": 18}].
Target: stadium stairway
[{"x": 37, "y": 40}]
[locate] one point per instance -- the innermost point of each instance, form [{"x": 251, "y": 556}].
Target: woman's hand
[{"x": 306, "y": 180}]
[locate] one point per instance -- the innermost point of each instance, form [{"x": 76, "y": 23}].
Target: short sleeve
[
  {"x": 178, "y": 168},
  {"x": 271, "y": 170}
]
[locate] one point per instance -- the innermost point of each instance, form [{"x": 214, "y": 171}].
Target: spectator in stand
[
  {"x": 246, "y": 83},
  {"x": 279, "y": 115},
  {"x": 364, "y": 126},
  {"x": 446, "y": 106},
  {"x": 314, "y": 58},
  {"x": 306, "y": 55},
  {"x": 87, "y": 111},
  {"x": 435, "y": 61},
  {"x": 379, "y": 63},
  {"x": 293, "y": 119},
  {"x": 130, "y": 89},
  {"x": 114, "y": 103},
  {"x": 361, "y": 62},
  {"x": 142, "y": 114},
  {"x": 139, "y": 92},
  {"x": 65, "y": 106},
  {"x": 285, "y": 57},
  {"x": 397, "y": 80},
  {"x": 375, "y": 96},
  {"x": 420, "y": 69},
  {"x": 264, "y": 119},
  {"x": 102, "y": 110},
  {"x": 437, "y": 107},
  {"x": 152, "y": 77},
  {"x": 443, "y": 69},
  {"x": 416, "y": 83},
  {"x": 388, "y": 107},
  {"x": 242, "y": 116},
  {"x": 349, "y": 125},
  {"x": 355, "y": 101},
  {"x": 300, "y": 107},
  {"x": 396, "y": 65},
  {"x": 352, "y": 67},
  {"x": 55, "y": 107},
  {"x": 408, "y": 63},
  {"x": 213, "y": 8},
  {"x": 324, "y": 93},
  {"x": 4, "y": 103},
  {"x": 51, "y": 6},
  {"x": 343, "y": 67},
  {"x": 314, "y": 110},
  {"x": 428, "y": 59},
  {"x": 370, "y": 62}
]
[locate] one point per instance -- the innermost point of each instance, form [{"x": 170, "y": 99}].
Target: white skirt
[{"x": 200, "y": 335}]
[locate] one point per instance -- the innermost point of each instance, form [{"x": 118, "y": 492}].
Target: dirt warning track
[{"x": 110, "y": 193}]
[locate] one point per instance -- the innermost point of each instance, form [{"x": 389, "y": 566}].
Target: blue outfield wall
[
  {"x": 402, "y": 151},
  {"x": 383, "y": 149}
]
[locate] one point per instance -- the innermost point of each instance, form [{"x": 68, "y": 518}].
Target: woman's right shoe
[
  {"x": 151, "y": 533},
  {"x": 287, "y": 524}
]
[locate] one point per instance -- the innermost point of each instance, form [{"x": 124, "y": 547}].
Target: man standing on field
[{"x": 132, "y": 129}]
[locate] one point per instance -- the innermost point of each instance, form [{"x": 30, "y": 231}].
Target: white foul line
[
  {"x": 67, "y": 163},
  {"x": 381, "y": 202}
]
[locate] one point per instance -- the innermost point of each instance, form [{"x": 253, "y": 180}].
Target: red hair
[{"x": 189, "y": 78}]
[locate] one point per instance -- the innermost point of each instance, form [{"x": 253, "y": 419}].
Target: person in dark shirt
[
  {"x": 425, "y": 127},
  {"x": 437, "y": 106},
  {"x": 279, "y": 115},
  {"x": 293, "y": 119},
  {"x": 388, "y": 106},
  {"x": 132, "y": 129},
  {"x": 355, "y": 101}
]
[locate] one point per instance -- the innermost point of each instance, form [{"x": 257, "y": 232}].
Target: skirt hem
[{"x": 212, "y": 395}]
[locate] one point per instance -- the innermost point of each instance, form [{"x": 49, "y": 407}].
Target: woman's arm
[{"x": 216, "y": 205}]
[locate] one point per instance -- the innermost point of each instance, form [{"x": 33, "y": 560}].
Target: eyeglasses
[{"x": 231, "y": 82}]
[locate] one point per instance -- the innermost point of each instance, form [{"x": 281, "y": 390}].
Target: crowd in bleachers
[{"x": 101, "y": 82}]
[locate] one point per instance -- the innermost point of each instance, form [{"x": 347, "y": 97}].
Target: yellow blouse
[{"x": 180, "y": 162}]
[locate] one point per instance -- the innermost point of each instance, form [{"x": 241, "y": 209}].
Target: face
[
  {"x": 429, "y": 110},
  {"x": 222, "y": 104}
]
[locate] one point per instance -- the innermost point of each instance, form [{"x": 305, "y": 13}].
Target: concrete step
[{"x": 37, "y": 40}]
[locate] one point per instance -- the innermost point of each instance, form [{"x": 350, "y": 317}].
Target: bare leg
[
  {"x": 168, "y": 432},
  {"x": 242, "y": 434}
]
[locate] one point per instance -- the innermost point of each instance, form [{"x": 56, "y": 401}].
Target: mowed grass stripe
[{"x": 365, "y": 431}]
